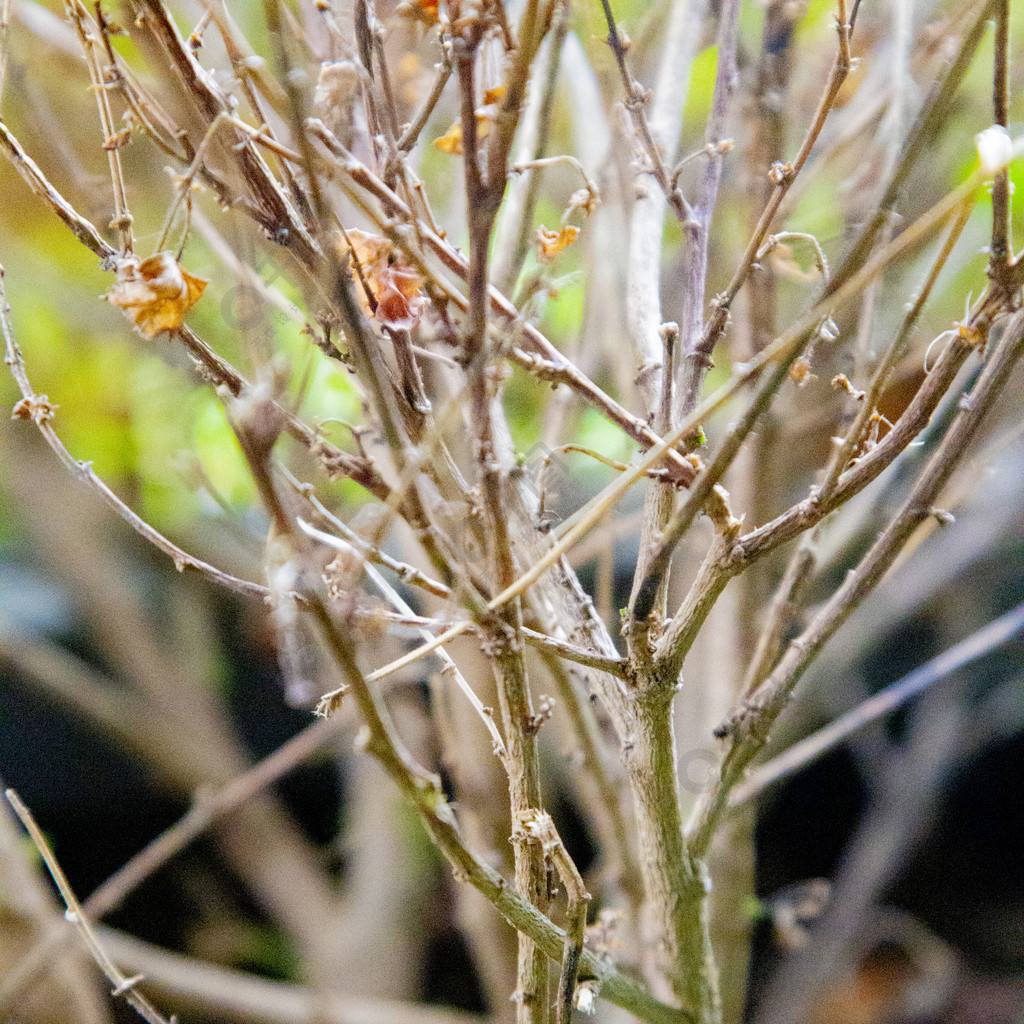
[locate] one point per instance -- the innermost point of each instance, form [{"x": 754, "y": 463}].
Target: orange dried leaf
[
  {"x": 421, "y": 10},
  {"x": 155, "y": 293},
  {"x": 396, "y": 287},
  {"x": 451, "y": 141},
  {"x": 495, "y": 95},
  {"x": 551, "y": 243}
]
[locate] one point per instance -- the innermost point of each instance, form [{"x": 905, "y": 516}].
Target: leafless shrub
[{"x": 310, "y": 158}]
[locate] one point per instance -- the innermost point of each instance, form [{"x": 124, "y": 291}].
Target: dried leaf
[
  {"x": 451, "y": 141},
  {"x": 155, "y": 293},
  {"x": 427, "y": 11},
  {"x": 551, "y": 243},
  {"x": 398, "y": 299},
  {"x": 495, "y": 95},
  {"x": 784, "y": 263}
]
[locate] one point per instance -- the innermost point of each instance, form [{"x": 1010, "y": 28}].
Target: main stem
[{"x": 675, "y": 921}]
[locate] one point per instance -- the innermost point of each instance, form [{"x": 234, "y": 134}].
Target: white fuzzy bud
[{"x": 995, "y": 148}]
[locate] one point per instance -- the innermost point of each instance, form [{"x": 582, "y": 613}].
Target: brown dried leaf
[
  {"x": 551, "y": 243},
  {"x": 155, "y": 293},
  {"x": 398, "y": 299}
]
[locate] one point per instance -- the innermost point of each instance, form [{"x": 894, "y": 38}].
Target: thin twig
[
  {"x": 122, "y": 986},
  {"x": 412, "y": 130},
  {"x": 785, "y": 177},
  {"x": 93, "y": 51},
  {"x": 808, "y": 750},
  {"x": 484, "y": 713},
  {"x": 768, "y": 702},
  {"x": 40, "y": 410},
  {"x": 1000, "y": 254}
]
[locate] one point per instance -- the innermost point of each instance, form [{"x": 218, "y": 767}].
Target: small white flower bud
[{"x": 995, "y": 148}]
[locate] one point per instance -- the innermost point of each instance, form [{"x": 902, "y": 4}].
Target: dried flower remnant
[
  {"x": 800, "y": 372},
  {"x": 155, "y": 293},
  {"x": 37, "y": 408},
  {"x": 551, "y": 243},
  {"x": 396, "y": 288}
]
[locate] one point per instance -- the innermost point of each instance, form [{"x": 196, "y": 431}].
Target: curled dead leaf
[
  {"x": 784, "y": 263},
  {"x": 396, "y": 297},
  {"x": 155, "y": 293},
  {"x": 451, "y": 141},
  {"x": 551, "y": 243}
]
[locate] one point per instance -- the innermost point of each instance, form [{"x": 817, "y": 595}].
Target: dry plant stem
[
  {"x": 551, "y": 364},
  {"x": 604, "y": 804},
  {"x": 425, "y": 793},
  {"x": 659, "y": 135},
  {"x": 767, "y": 703},
  {"x": 780, "y": 612},
  {"x": 766, "y": 148},
  {"x": 208, "y": 808},
  {"x": 270, "y": 204},
  {"x": 229, "y": 996},
  {"x": 84, "y": 231},
  {"x": 1000, "y": 254},
  {"x": 635, "y": 101},
  {"x": 371, "y": 552},
  {"x": 396, "y": 601},
  {"x": 482, "y": 199},
  {"x": 40, "y": 411},
  {"x": 731, "y": 555},
  {"x": 805, "y": 514},
  {"x": 123, "y": 986},
  {"x": 701, "y": 491},
  {"x": 840, "y": 69},
  {"x": 5, "y": 21},
  {"x": 413, "y": 129},
  {"x": 30, "y": 911},
  {"x": 696, "y": 230},
  {"x": 883, "y": 372},
  {"x": 521, "y": 202},
  {"x": 335, "y": 461},
  {"x": 577, "y": 903},
  {"x": 578, "y": 655},
  {"x": 1001, "y": 631},
  {"x": 93, "y": 51},
  {"x": 782, "y": 351},
  {"x": 423, "y": 788},
  {"x": 927, "y": 127}
]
